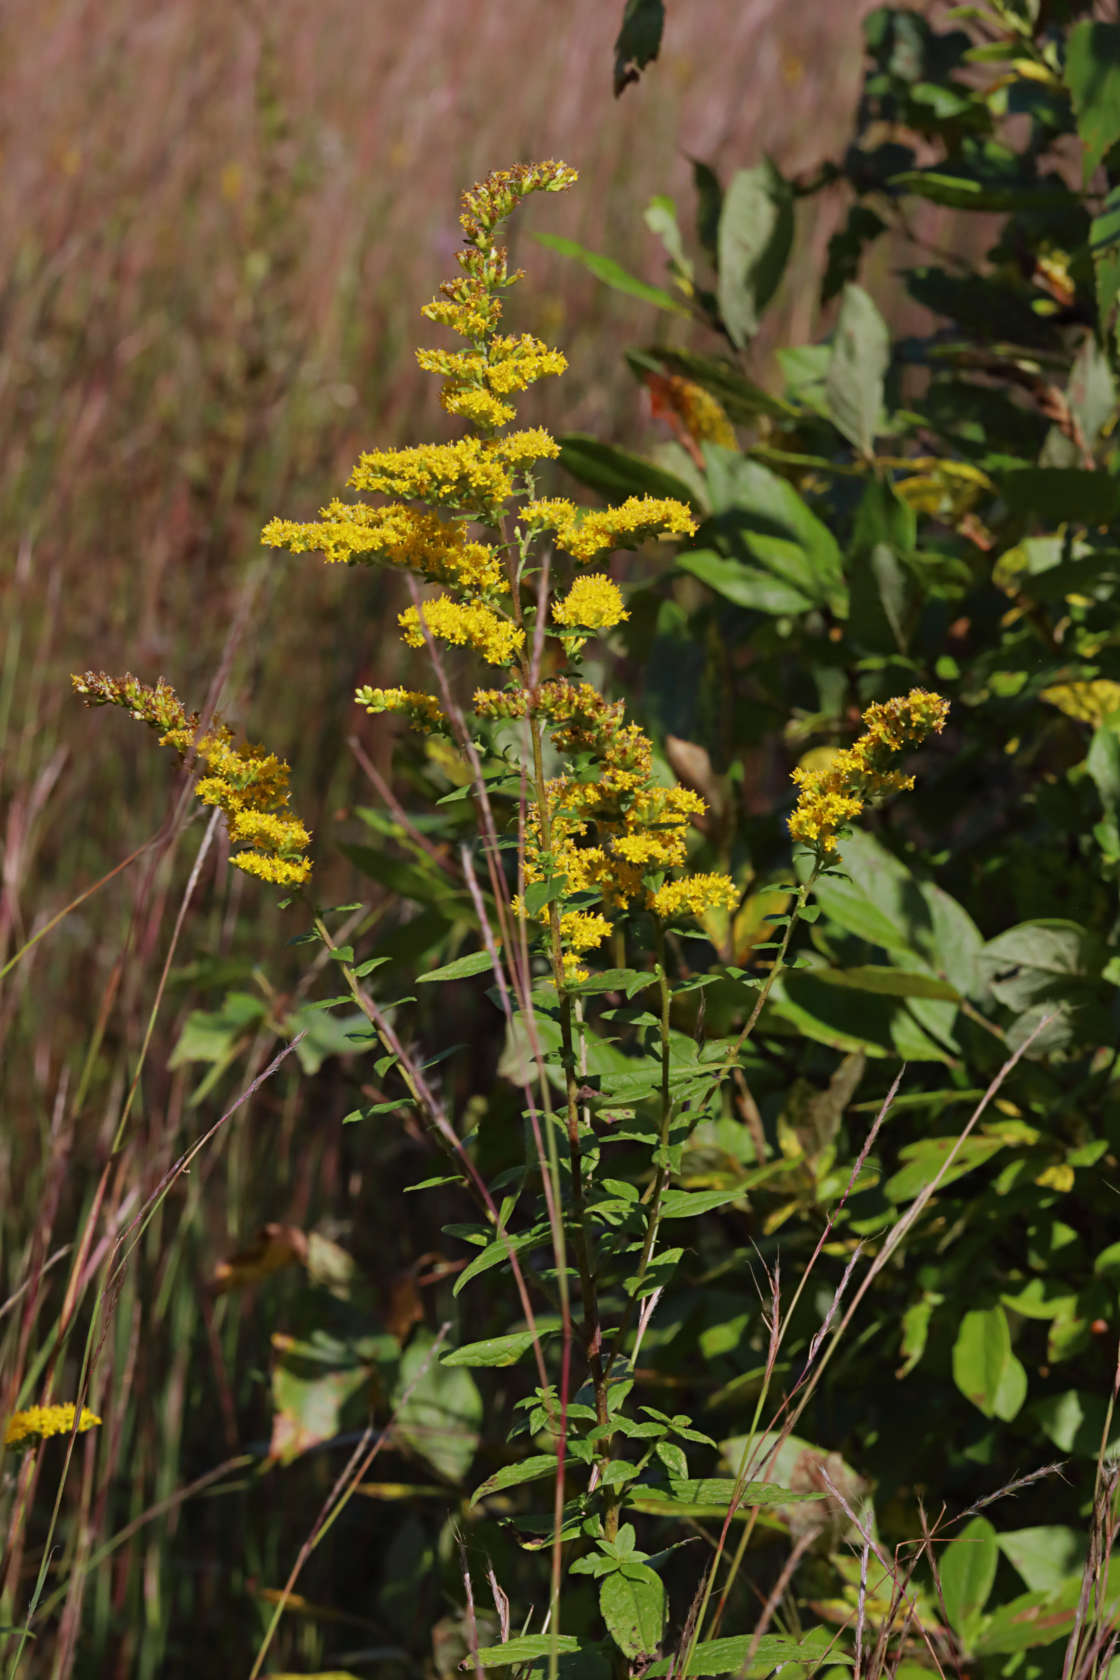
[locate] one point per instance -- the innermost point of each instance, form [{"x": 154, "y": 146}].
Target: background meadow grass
[{"x": 218, "y": 225}]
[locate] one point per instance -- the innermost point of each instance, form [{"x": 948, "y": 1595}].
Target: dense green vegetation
[{"x": 784, "y": 1228}]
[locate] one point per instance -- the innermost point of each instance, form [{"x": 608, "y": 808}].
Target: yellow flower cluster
[
  {"x": 585, "y": 535},
  {"x": 476, "y": 381},
  {"x": 592, "y": 603},
  {"x": 37, "y": 1423},
  {"x": 467, "y": 472},
  {"x": 423, "y": 711},
  {"x": 463, "y": 624},
  {"x": 830, "y": 797},
  {"x": 606, "y": 833},
  {"x": 398, "y": 536},
  {"x": 249, "y": 785},
  {"x": 694, "y": 895}
]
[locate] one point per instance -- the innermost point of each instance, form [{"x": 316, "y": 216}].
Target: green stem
[
  {"x": 591, "y": 1328},
  {"x": 661, "y": 1179}
]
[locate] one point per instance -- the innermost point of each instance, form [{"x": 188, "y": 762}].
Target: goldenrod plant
[{"x": 605, "y": 844}]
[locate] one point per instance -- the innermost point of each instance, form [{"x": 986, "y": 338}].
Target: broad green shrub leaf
[
  {"x": 970, "y": 191},
  {"x": 1058, "y": 494},
  {"x": 1074, "y": 1421},
  {"x": 494, "y": 1350},
  {"x": 315, "y": 1380},
  {"x": 611, "y": 273},
  {"x": 924, "y": 1160},
  {"x": 1041, "y": 1618},
  {"x": 616, "y": 472},
  {"x": 324, "y": 1034},
  {"x": 889, "y": 982},
  {"x": 474, "y": 963},
  {"x": 881, "y": 587},
  {"x": 634, "y": 1607},
  {"x": 755, "y": 235},
  {"x": 729, "y": 1656},
  {"x": 967, "y": 1566},
  {"x": 861, "y": 352},
  {"x": 882, "y": 902},
  {"x": 853, "y": 1018},
  {"x": 1044, "y": 1556},
  {"x": 743, "y": 585},
  {"x": 1093, "y": 79},
  {"x": 428, "y": 886},
  {"x": 214, "y": 1035},
  {"x": 441, "y": 1419},
  {"x": 984, "y": 1367},
  {"x": 532, "y": 1469},
  {"x": 981, "y": 306},
  {"x": 775, "y": 526},
  {"x": 1103, "y": 763},
  {"x": 1048, "y": 960},
  {"x": 638, "y": 41}
]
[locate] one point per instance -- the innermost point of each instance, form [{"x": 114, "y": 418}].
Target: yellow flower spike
[
  {"x": 463, "y": 624},
  {"x": 582, "y": 931},
  {"x": 592, "y": 603},
  {"x": 423, "y": 711},
  {"x": 518, "y": 449},
  {"x": 249, "y": 785},
  {"x": 463, "y": 472},
  {"x": 38, "y": 1423},
  {"x": 395, "y": 536},
  {"x": 587, "y": 536},
  {"x": 834, "y": 795},
  {"x": 693, "y": 895}
]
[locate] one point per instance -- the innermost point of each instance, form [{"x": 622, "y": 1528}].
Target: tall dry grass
[{"x": 217, "y": 224}]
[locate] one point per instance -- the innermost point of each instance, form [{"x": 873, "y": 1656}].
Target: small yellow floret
[{"x": 37, "y": 1423}]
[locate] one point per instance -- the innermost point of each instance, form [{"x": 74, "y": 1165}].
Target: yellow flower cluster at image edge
[
  {"x": 37, "y": 1423},
  {"x": 249, "y": 785},
  {"x": 831, "y": 797}
]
